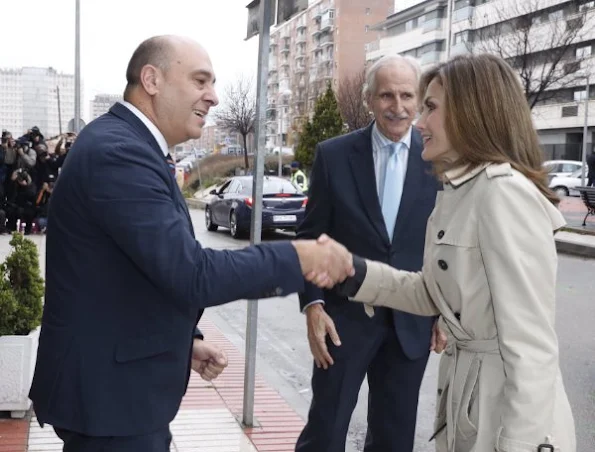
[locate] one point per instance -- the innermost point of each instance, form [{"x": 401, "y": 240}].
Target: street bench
[{"x": 588, "y": 197}]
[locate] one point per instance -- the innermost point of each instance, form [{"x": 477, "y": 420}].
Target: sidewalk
[
  {"x": 575, "y": 238},
  {"x": 207, "y": 420}
]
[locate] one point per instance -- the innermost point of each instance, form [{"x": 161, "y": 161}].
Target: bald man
[{"x": 126, "y": 280}]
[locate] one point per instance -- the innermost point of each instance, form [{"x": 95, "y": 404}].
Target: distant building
[
  {"x": 29, "y": 97},
  {"x": 102, "y": 103}
]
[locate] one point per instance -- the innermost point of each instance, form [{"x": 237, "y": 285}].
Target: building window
[
  {"x": 367, "y": 28},
  {"x": 583, "y": 52},
  {"x": 368, "y": 11},
  {"x": 580, "y": 95}
]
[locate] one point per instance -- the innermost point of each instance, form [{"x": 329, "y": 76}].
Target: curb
[{"x": 575, "y": 249}]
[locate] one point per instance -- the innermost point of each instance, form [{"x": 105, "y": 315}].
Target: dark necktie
[{"x": 171, "y": 164}]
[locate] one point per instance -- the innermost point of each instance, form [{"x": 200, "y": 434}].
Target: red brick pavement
[
  {"x": 574, "y": 212},
  {"x": 279, "y": 425}
]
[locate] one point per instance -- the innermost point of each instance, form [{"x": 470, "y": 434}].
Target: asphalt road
[{"x": 284, "y": 357}]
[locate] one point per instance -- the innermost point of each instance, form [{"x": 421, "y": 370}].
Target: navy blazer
[
  {"x": 126, "y": 283},
  {"x": 343, "y": 202}
]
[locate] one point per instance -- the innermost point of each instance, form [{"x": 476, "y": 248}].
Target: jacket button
[
  {"x": 439, "y": 391},
  {"x": 442, "y": 264},
  {"x": 440, "y": 234},
  {"x": 458, "y": 315},
  {"x": 278, "y": 291}
]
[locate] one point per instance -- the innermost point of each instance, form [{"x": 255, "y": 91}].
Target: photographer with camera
[
  {"x": 8, "y": 158},
  {"x": 68, "y": 140},
  {"x": 20, "y": 203},
  {"x": 42, "y": 203}
]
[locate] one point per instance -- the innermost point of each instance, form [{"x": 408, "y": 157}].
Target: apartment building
[
  {"x": 102, "y": 103},
  {"x": 428, "y": 32},
  {"x": 29, "y": 96},
  {"x": 321, "y": 45}
]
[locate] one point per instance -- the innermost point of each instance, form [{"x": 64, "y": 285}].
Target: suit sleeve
[
  {"x": 131, "y": 200},
  {"x": 519, "y": 255},
  {"x": 318, "y": 217}
]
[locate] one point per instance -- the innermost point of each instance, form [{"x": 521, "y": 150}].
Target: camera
[{"x": 22, "y": 175}]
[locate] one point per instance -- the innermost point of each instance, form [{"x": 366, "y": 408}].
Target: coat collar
[{"x": 127, "y": 115}]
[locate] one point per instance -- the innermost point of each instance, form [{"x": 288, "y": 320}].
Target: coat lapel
[
  {"x": 362, "y": 166},
  {"x": 413, "y": 178}
]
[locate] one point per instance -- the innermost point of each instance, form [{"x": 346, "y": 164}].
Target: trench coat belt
[{"x": 462, "y": 374}]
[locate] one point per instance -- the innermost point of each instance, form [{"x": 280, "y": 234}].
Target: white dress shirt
[{"x": 152, "y": 127}]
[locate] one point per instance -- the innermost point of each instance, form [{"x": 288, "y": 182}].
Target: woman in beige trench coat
[{"x": 489, "y": 266}]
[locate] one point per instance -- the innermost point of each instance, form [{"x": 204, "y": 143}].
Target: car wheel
[
  {"x": 236, "y": 232},
  {"x": 561, "y": 191},
  {"x": 209, "y": 221}
]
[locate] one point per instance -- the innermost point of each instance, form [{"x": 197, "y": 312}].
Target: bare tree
[
  {"x": 538, "y": 42},
  {"x": 350, "y": 100},
  {"x": 238, "y": 111}
]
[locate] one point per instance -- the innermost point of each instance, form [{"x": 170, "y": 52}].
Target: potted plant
[{"x": 21, "y": 305}]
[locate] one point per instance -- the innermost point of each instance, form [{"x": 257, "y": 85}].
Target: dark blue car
[{"x": 283, "y": 207}]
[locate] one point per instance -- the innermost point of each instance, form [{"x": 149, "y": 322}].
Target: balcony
[
  {"x": 327, "y": 24},
  {"x": 432, "y": 25},
  {"x": 285, "y": 49},
  {"x": 430, "y": 57},
  {"x": 465, "y": 13},
  {"x": 326, "y": 41},
  {"x": 301, "y": 39},
  {"x": 302, "y": 22},
  {"x": 316, "y": 31},
  {"x": 300, "y": 69}
]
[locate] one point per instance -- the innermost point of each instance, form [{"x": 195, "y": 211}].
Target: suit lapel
[
  {"x": 362, "y": 166},
  {"x": 411, "y": 187},
  {"x": 125, "y": 114}
]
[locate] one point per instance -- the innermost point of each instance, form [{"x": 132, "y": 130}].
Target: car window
[
  {"x": 578, "y": 173},
  {"x": 569, "y": 167},
  {"x": 272, "y": 186},
  {"x": 226, "y": 187}
]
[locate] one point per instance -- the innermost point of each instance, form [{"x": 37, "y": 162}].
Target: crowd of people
[{"x": 28, "y": 172}]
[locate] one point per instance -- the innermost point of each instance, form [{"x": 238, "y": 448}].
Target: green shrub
[{"x": 21, "y": 288}]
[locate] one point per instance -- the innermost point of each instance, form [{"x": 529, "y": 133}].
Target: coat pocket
[
  {"x": 468, "y": 415},
  {"x": 142, "y": 347}
]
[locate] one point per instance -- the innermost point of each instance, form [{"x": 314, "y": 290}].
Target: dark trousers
[
  {"x": 591, "y": 181},
  {"x": 368, "y": 346},
  {"x": 158, "y": 441}
]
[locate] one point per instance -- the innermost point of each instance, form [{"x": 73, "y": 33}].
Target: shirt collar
[
  {"x": 458, "y": 176},
  {"x": 149, "y": 125},
  {"x": 379, "y": 137}
]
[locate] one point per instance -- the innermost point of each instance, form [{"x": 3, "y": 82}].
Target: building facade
[
  {"x": 30, "y": 96},
  {"x": 320, "y": 45},
  {"x": 102, "y": 103},
  {"x": 429, "y": 33}
]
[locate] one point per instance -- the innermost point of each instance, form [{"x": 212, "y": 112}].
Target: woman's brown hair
[{"x": 487, "y": 118}]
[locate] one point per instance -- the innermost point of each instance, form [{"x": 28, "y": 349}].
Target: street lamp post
[
  {"x": 585, "y": 132},
  {"x": 284, "y": 93}
]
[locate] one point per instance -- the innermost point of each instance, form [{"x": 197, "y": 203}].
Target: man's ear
[{"x": 150, "y": 78}]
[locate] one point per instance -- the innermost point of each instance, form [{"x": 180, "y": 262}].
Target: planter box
[{"x": 17, "y": 363}]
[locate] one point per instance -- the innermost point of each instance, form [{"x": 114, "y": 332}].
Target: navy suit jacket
[
  {"x": 343, "y": 203},
  {"x": 126, "y": 283}
]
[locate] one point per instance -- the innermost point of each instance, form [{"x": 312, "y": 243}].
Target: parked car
[
  {"x": 562, "y": 167},
  {"x": 564, "y": 185},
  {"x": 283, "y": 207}
]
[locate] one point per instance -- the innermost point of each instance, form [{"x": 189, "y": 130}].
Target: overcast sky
[{"x": 41, "y": 33}]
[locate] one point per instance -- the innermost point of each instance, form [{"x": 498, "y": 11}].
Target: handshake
[{"x": 324, "y": 262}]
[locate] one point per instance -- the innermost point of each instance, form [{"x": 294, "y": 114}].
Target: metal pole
[
  {"x": 256, "y": 221},
  {"x": 59, "y": 110},
  {"x": 280, "y": 140},
  {"x": 448, "y": 27},
  {"x": 77, "y": 69},
  {"x": 585, "y": 132}
]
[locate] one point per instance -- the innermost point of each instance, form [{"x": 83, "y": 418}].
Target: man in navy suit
[
  {"x": 370, "y": 191},
  {"x": 126, "y": 281}
]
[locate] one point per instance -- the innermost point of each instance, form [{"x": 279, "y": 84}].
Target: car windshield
[{"x": 271, "y": 186}]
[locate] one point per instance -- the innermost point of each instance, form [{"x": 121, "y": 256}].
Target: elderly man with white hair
[{"x": 370, "y": 191}]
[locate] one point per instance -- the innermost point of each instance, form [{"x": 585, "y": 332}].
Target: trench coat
[{"x": 490, "y": 270}]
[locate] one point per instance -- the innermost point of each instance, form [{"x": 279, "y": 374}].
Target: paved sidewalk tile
[{"x": 208, "y": 416}]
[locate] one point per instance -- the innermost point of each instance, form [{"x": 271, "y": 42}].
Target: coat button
[
  {"x": 458, "y": 315},
  {"x": 439, "y": 391},
  {"x": 442, "y": 264},
  {"x": 440, "y": 234},
  {"x": 278, "y": 291}
]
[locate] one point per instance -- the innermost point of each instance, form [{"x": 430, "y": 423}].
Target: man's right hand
[
  {"x": 319, "y": 325},
  {"x": 324, "y": 263}
]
